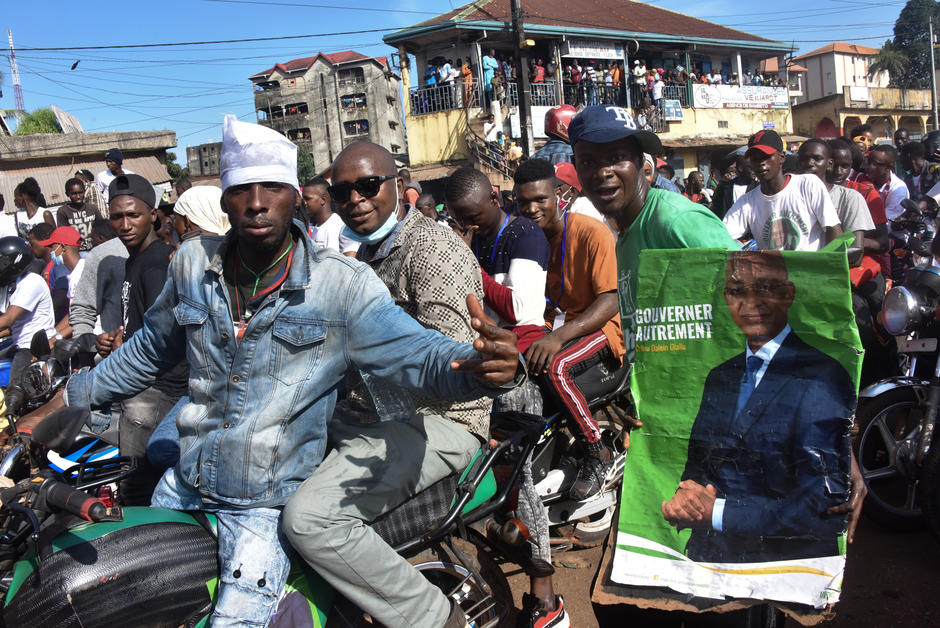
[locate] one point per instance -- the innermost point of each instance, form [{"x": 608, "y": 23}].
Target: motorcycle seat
[{"x": 417, "y": 515}]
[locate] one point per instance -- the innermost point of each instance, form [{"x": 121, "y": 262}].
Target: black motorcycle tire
[
  {"x": 477, "y": 559},
  {"x": 870, "y": 451},
  {"x": 930, "y": 491}
]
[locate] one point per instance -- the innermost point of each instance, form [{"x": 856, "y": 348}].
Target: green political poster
[{"x": 745, "y": 378}]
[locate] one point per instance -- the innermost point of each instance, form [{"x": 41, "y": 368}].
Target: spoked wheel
[
  {"x": 885, "y": 448},
  {"x": 485, "y": 603}
]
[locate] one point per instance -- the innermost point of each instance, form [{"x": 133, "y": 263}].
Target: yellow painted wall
[
  {"x": 704, "y": 122},
  {"x": 437, "y": 137}
]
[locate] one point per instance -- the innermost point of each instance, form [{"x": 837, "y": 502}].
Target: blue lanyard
[
  {"x": 493, "y": 252},
  {"x": 564, "y": 233}
]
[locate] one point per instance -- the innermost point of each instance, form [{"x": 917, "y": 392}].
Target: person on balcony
[
  {"x": 466, "y": 71},
  {"x": 490, "y": 65}
]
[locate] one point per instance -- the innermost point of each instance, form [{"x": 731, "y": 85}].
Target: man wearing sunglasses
[
  {"x": 389, "y": 443},
  {"x": 270, "y": 324}
]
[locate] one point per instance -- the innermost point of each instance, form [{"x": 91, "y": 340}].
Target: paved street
[{"x": 891, "y": 581}]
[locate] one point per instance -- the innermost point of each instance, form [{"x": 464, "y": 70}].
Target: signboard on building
[
  {"x": 592, "y": 49},
  {"x": 859, "y": 93},
  {"x": 67, "y": 122},
  {"x": 770, "y": 124},
  {"x": 739, "y": 97},
  {"x": 672, "y": 111}
]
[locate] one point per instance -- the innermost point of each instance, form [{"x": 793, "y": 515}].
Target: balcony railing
[
  {"x": 593, "y": 94},
  {"x": 678, "y": 92},
  {"x": 433, "y": 98}
]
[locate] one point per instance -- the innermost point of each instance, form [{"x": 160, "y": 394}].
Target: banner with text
[
  {"x": 739, "y": 97},
  {"x": 745, "y": 378}
]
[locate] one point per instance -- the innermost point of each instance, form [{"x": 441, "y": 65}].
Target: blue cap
[{"x": 607, "y": 123}]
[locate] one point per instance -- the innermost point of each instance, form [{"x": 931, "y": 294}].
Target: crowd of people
[{"x": 324, "y": 323}]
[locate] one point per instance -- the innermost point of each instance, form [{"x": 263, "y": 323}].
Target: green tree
[
  {"x": 176, "y": 171},
  {"x": 911, "y": 37},
  {"x": 306, "y": 169},
  {"x": 39, "y": 121},
  {"x": 890, "y": 59}
]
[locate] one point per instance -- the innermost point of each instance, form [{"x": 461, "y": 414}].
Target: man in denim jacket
[{"x": 269, "y": 324}]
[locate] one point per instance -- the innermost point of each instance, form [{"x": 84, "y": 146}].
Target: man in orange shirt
[{"x": 581, "y": 311}]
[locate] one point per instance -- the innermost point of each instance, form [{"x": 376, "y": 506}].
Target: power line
[
  {"x": 214, "y": 42},
  {"x": 322, "y": 6}
]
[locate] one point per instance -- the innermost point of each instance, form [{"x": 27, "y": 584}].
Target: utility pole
[
  {"x": 933, "y": 76},
  {"x": 522, "y": 80}
]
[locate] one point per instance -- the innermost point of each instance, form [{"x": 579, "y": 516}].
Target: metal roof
[
  {"x": 52, "y": 179},
  {"x": 611, "y": 19}
]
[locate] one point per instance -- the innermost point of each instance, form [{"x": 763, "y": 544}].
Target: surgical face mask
[
  {"x": 57, "y": 259},
  {"x": 379, "y": 234}
]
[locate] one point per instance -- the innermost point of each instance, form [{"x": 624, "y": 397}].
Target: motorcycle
[
  {"x": 70, "y": 556},
  {"x": 897, "y": 417},
  {"x": 912, "y": 231}
]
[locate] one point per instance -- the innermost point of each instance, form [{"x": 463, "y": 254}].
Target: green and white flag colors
[{"x": 745, "y": 378}]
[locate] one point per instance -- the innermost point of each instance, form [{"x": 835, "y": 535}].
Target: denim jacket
[{"x": 256, "y": 424}]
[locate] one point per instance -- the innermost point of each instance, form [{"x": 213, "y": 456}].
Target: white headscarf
[
  {"x": 201, "y": 204},
  {"x": 252, "y": 153}
]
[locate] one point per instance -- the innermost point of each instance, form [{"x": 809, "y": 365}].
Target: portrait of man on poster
[{"x": 769, "y": 450}]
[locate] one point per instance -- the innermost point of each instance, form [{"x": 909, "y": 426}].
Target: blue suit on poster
[{"x": 779, "y": 463}]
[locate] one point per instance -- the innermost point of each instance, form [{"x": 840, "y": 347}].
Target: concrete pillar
[
  {"x": 559, "y": 74},
  {"x": 405, "y": 79},
  {"x": 738, "y": 68},
  {"x": 782, "y": 68}
]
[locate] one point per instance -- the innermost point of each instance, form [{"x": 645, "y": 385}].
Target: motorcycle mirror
[
  {"x": 15, "y": 397},
  {"x": 58, "y": 430},
  {"x": 39, "y": 345},
  {"x": 910, "y": 205}
]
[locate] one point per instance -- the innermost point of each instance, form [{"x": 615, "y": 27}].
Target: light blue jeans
[{"x": 253, "y": 554}]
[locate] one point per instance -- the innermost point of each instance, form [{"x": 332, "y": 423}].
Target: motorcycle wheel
[
  {"x": 930, "y": 491},
  {"x": 594, "y": 530},
  {"x": 487, "y": 605},
  {"x": 887, "y": 429}
]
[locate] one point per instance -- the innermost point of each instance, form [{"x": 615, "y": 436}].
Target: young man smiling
[
  {"x": 580, "y": 310},
  {"x": 77, "y": 213},
  {"x": 271, "y": 324}
]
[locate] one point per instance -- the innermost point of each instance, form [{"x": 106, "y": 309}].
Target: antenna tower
[{"x": 17, "y": 90}]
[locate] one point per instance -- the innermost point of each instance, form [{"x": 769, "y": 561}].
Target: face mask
[
  {"x": 379, "y": 234},
  {"x": 57, "y": 259}
]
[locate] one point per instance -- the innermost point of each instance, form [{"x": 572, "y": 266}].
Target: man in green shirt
[{"x": 608, "y": 155}]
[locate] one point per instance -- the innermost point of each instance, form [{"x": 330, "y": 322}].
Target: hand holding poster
[{"x": 745, "y": 378}]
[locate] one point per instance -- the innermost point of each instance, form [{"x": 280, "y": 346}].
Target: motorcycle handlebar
[{"x": 64, "y": 497}]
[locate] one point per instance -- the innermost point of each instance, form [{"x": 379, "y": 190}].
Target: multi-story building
[
  {"x": 840, "y": 94},
  {"x": 203, "y": 160},
  {"x": 699, "y": 123},
  {"x": 325, "y": 102}
]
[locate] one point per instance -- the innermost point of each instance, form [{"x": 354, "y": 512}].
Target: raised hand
[{"x": 499, "y": 357}]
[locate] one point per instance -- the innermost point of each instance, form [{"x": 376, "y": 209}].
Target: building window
[
  {"x": 722, "y": 124},
  {"x": 828, "y": 75},
  {"x": 396, "y": 148},
  {"x": 353, "y": 102},
  {"x": 292, "y": 82},
  {"x": 356, "y": 127},
  {"x": 299, "y": 135},
  {"x": 351, "y": 76},
  {"x": 392, "y": 125}
]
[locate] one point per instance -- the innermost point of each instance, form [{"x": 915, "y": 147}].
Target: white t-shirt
[
  {"x": 893, "y": 192},
  {"x": 7, "y": 225},
  {"x": 25, "y": 223},
  {"x": 329, "y": 235},
  {"x": 852, "y": 209},
  {"x": 793, "y": 219},
  {"x": 658, "y": 89},
  {"x": 490, "y": 129},
  {"x": 104, "y": 178},
  {"x": 32, "y": 295},
  {"x": 75, "y": 276}
]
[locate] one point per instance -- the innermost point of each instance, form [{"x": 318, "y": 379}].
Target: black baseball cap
[
  {"x": 133, "y": 185},
  {"x": 606, "y": 123},
  {"x": 767, "y": 142}
]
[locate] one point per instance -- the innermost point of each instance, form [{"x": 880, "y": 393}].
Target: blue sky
[{"x": 189, "y": 88}]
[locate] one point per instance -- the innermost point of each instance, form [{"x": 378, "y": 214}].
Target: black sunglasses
[{"x": 367, "y": 187}]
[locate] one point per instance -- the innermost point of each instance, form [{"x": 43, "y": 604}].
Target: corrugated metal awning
[{"x": 52, "y": 178}]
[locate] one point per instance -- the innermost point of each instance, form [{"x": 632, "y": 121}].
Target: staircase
[{"x": 489, "y": 158}]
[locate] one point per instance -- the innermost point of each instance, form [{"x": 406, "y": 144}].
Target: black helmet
[{"x": 15, "y": 256}]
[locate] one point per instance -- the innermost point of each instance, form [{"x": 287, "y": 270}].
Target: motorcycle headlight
[{"x": 900, "y": 311}]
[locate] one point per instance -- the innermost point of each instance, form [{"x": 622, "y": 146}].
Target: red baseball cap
[
  {"x": 565, "y": 172},
  {"x": 661, "y": 162},
  {"x": 66, "y": 236},
  {"x": 767, "y": 142}
]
